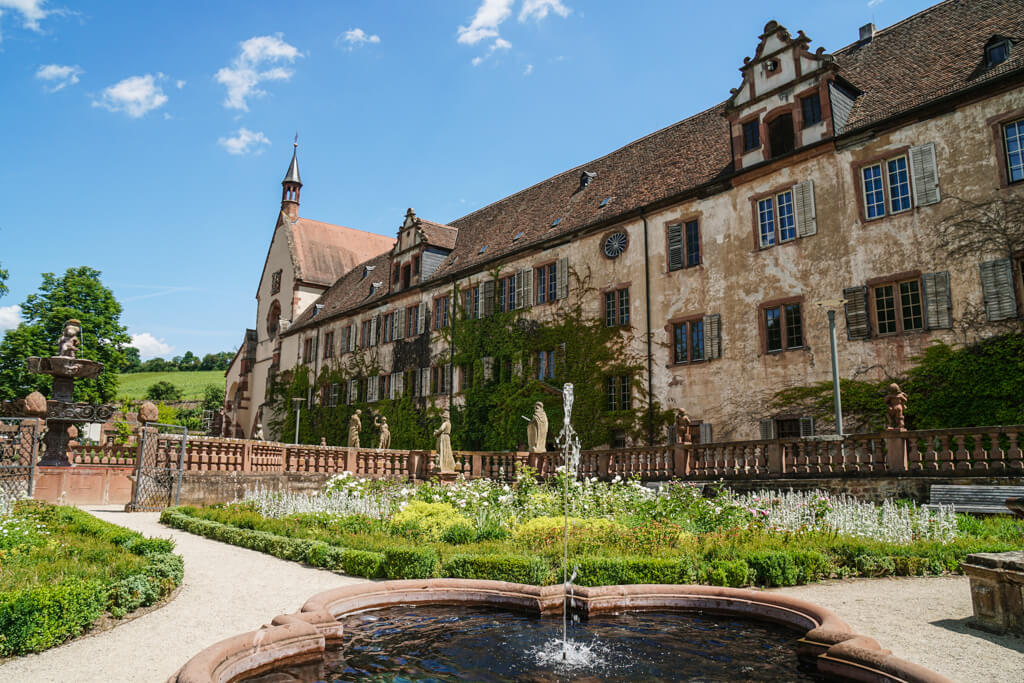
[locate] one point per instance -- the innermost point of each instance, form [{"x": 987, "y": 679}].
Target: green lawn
[{"x": 192, "y": 384}]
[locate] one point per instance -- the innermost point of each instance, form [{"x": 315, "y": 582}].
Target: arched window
[{"x": 273, "y": 319}]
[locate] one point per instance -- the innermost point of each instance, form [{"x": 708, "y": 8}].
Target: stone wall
[{"x": 207, "y": 488}]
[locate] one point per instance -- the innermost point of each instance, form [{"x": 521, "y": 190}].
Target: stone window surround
[
  {"x": 780, "y": 304},
  {"x": 670, "y": 325},
  {"x": 773, "y": 193},
  {"x": 683, "y": 220},
  {"x": 895, "y": 279},
  {"x": 602, "y": 303},
  {"x": 996, "y": 123},
  {"x": 821, "y": 87},
  {"x": 857, "y": 168},
  {"x": 740, "y": 138},
  {"x": 441, "y": 320}
]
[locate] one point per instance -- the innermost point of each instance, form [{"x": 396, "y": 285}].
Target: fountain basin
[
  {"x": 837, "y": 651},
  {"x": 64, "y": 366}
]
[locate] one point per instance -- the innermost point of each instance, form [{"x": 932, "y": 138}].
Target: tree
[
  {"x": 3, "y": 281},
  {"x": 188, "y": 362},
  {"x": 78, "y": 293},
  {"x": 213, "y": 398},
  {"x": 163, "y": 391},
  {"x": 132, "y": 361}
]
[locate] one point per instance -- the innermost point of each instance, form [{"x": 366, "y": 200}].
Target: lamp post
[
  {"x": 830, "y": 305},
  {"x": 297, "y": 402}
]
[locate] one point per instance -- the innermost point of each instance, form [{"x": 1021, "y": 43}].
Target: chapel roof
[{"x": 324, "y": 252}]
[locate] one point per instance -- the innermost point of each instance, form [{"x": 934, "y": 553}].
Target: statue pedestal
[{"x": 447, "y": 477}]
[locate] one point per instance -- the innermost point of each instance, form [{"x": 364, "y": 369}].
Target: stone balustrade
[{"x": 967, "y": 451}]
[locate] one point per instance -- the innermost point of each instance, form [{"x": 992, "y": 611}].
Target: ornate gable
[{"x": 782, "y": 103}]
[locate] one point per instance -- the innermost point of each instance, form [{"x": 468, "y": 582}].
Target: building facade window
[
  {"x": 547, "y": 283},
  {"x": 751, "y": 135},
  {"x": 364, "y": 334},
  {"x": 1013, "y": 137},
  {"x": 471, "y": 302},
  {"x": 997, "y": 53},
  {"x": 275, "y": 282},
  {"x": 307, "y": 351},
  {"x": 776, "y": 219},
  {"x": 545, "y": 365},
  {"x": 898, "y": 307},
  {"x": 507, "y": 294},
  {"x": 783, "y": 327},
  {"x": 329, "y": 345},
  {"x": 886, "y": 187},
  {"x": 781, "y": 136},
  {"x": 411, "y": 318},
  {"x": 683, "y": 245},
  {"x": 441, "y": 307},
  {"x": 688, "y": 341},
  {"x": 810, "y": 108},
  {"x": 616, "y": 308},
  {"x": 618, "y": 392}
]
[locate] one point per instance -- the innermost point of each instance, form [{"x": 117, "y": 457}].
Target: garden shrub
[
  {"x": 410, "y": 563},
  {"x": 40, "y": 617},
  {"x": 775, "y": 568},
  {"x": 362, "y": 563},
  {"x": 427, "y": 519},
  {"x": 546, "y": 532},
  {"x": 610, "y": 571},
  {"x": 458, "y": 534},
  {"x": 730, "y": 573},
  {"x": 132, "y": 592},
  {"x": 512, "y": 568}
]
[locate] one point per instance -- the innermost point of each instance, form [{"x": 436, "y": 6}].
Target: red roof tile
[{"x": 325, "y": 252}]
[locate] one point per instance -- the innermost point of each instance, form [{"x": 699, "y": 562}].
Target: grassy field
[{"x": 192, "y": 384}]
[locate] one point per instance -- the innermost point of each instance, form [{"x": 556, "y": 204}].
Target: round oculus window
[{"x": 615, "y": 244}]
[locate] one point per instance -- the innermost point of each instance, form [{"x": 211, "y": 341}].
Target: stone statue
[
  {"x": 381, "y": 423},
  {"x": 682, "y": 425},
  {"x": 537, "y": 430},
  {"x": 148, "y": 412},
  {"x": 69, "y": 340},
  {"x": 897, "y": 402},
  {"x": 354, "y": 425},
  {"x": 35, "y": 405},
  {"x": 257, "y": 434},
  {"x": 444, "y": 444},
  {"x": 323, "y": 440}
]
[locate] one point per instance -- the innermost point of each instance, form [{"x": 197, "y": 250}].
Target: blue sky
[{"x": 148, "y": 140}]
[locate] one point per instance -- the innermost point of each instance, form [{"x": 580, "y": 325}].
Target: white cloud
[
  {"x": 476, "y": 61},
  {"x": 356, "y": 37},
  {"x": 538, "y": 9},
  {"x": 500, "y": 44},
  {"x": 485, "y": 22},
  {"x": 58, "y": 77},
  {"x": 179, "y": 84},
  {"x": 528, "y": 70},
  {"x": 243, "y": 77},
  {"x": 872, "y": 3},
  {"x": 149, "y": 346},
  {"x": 135, "y": 95},
  {"x": 31, "y": 12},
  {"x": 244, "y": 142},
  {"x": 10, "y": 317}
]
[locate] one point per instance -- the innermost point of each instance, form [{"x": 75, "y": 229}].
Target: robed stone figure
[
  {"x": 444, "y": 444},
  {"x": 354, "y": 425},
  {"x": 537, "y": 430}
]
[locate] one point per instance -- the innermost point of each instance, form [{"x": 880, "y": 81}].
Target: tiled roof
[
  {"x": 324, "y": 252},
  {"x": 932, "y": 54},
  {"x": 438, "y": 235},
  {"x": 352, "y": 290},
  {"x": 936, "y": 52}
]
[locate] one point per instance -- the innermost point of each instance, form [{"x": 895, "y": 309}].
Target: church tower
[{"x": 291, "y": 185}]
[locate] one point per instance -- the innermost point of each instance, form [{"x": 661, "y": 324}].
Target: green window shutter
[
  {"x": 806, "y": 426},
  {"x": 767, "y": 428},
  {"x": 675, "y": 247},
  {"x": 937, "y": 301},
  {"x": 563, "y": 278},
  {"x": 400, "y": 324},
  {"x": 487, "y": 294},
  {"x": 713, "y": 336},
  {"x": 925, "y": 173},
  {"x": 997, "y": 288},
  {"x": 806, "y": 216},
  {"x": 857, "y": 324},
  {"x": 524, "y": 281}
]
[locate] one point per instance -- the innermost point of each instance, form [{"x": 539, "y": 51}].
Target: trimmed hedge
[
  {"x": 610, "y": 571},
  {"x": 511, "y": 568},
  {"x": 39, "y": 617},
  {"x": 410, "y": 563}
]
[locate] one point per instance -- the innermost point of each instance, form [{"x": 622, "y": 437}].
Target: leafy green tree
[
  {"x": 213, "y": 398},
  {"x": 189, "y": 362},
  {"x": 157, "y": 365},
  {"x": 78, "y": 293},
  {"x": 132, "y": 361},
  {"x": 163, "y": 391},
  {"x": 3, "y": 281}
]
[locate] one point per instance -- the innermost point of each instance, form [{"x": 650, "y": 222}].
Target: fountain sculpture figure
[{"x": 61, "y": 410}]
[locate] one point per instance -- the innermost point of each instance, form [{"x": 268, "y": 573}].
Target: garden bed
[
  {"x": 62, "y": 571},
  {"x": 620, "y": 533}
]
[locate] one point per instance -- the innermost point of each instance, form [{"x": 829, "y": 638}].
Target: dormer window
[
  {"x": 997, "y": 52},
  {"x": 810, "y": 108},
  {"x": 751, "y": 135}
]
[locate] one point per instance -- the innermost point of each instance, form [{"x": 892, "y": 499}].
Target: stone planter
[{"x": 997, "y": 591}]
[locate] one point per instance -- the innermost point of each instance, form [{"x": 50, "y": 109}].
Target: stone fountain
[{"x": 62, "y": 412}]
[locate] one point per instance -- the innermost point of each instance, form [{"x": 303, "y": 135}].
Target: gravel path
[
  {"x": 226, "y": 591},
  {"x": 229, "y": 590},
  {"x": 923, "y": 620}
]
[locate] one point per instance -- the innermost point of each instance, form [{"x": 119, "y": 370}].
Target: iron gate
[
  {"x": 19, "y": 450},
  {"x": 159, "y": 466}
]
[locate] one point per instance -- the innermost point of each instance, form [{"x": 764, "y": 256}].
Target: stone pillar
[
  {"x": 773, "y": 456},
  {"x": 603, "y": 460},
  {"x": 997, "y": 590},
  {"x": 247, "y": 457},
  {"x": 895, "y": 450}
]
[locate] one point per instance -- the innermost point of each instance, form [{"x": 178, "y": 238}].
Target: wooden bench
[{"x": 990, "y": 500}]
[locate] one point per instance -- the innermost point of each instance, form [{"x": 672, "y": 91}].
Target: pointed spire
[{"x": 292, "y": 176}]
